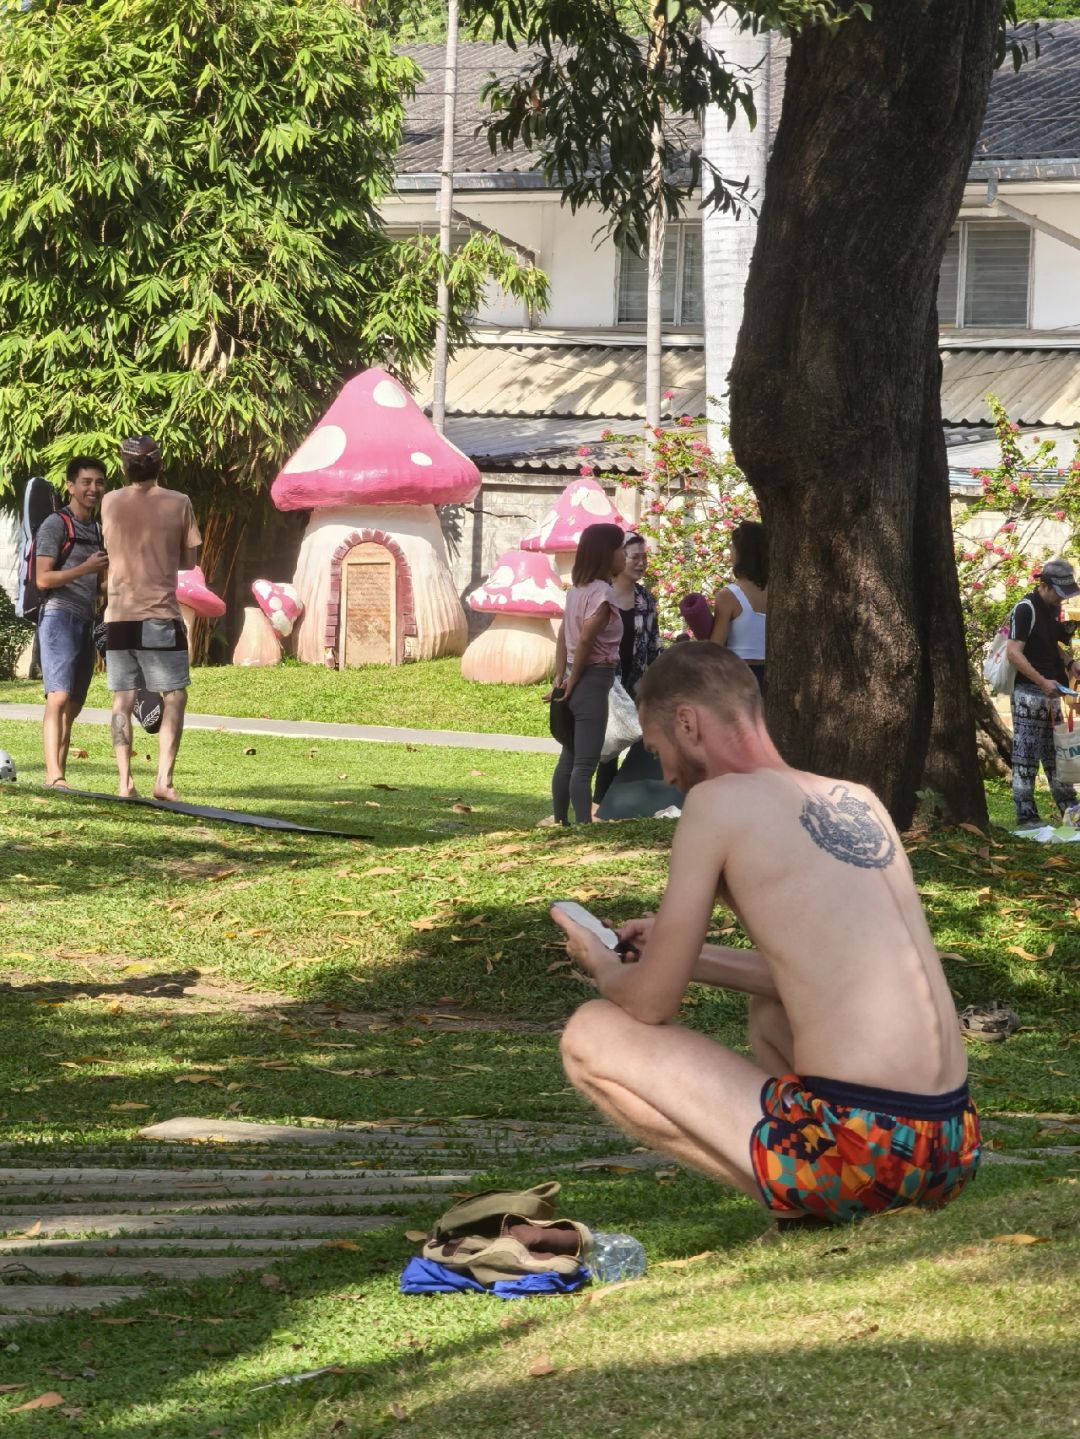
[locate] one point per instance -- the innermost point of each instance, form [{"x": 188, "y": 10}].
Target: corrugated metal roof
[
  {"x": 586, "y": 381},
  {"x": 1037, "y": 387},
  {"x": 607, "y": 383},
  {"x": 1033, "y": 113},
  {"x": 548, "y": 446}
]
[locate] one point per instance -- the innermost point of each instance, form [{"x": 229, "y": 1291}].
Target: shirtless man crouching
[{"x": 856, "y": 1099}]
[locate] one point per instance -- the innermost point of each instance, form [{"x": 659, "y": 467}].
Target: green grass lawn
[
  {"x": 916, "y": 1324},
  {"x": 431, "y": 695}
]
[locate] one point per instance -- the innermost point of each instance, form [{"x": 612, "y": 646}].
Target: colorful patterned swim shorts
[{"x": 840, "y": 1151}]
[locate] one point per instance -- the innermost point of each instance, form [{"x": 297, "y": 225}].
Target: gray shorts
[{"x": 159, "y": 661}]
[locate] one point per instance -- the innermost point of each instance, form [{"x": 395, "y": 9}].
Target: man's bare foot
[
  {"x": 166, "y": 791},
  {"x": 59, "y": 783},
  {"x": 128, "y": 791}
]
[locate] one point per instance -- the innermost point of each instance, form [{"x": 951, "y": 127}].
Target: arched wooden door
[{"x": 369, "y": 619}]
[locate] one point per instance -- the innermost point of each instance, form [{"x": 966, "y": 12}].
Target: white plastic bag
[
  {"x": 1067, "y": 746},
  {"x": 622, "y": 724},
  {"x": 998, "y": 673}
]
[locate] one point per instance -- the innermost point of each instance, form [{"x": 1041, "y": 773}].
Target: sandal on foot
[{"x": 989, "y": 1022}]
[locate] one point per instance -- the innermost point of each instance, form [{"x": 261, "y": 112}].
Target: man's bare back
[{"x": 817, "y": 875}]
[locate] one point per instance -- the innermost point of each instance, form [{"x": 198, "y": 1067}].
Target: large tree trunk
[{"x": 835, "y": 411}]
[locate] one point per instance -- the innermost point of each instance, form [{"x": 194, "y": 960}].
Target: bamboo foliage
[{"x": 189, "y": 242}]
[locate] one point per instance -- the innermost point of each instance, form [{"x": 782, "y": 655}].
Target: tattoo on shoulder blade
[{"x": 847, "y": 828}]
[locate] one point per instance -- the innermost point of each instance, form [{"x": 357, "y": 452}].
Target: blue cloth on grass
[{"x": 424, "y": 1276}]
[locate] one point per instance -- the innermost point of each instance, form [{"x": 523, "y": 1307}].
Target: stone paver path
[{"x": 89, "y": 1230}]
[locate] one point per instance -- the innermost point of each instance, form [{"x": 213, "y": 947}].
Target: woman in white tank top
[{"x": 739, "y": 611}]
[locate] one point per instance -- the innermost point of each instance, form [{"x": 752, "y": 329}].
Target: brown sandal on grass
[{"x": 989, "y": 1022}]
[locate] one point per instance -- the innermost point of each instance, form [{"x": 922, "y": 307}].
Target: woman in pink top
[{"x": 585, "y": 663}]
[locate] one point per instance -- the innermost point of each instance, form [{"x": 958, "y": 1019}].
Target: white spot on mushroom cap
[
  {"x": 594, "y": 501},
  {"x": 419, "y": 458},
  {"x": 274, "y": 602},
  {"x": 500, "y": 578},
  {"x": 389, "y": 395},
  {"x": 321, "y": 448}
]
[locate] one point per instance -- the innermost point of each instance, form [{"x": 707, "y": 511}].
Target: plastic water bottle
[{"x": 615, "y": 1257}]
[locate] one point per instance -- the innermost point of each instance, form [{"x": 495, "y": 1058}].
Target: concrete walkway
[{"x": 312, "y": 729}]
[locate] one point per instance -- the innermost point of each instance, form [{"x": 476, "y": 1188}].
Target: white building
[{"x": 529, "y": 385}]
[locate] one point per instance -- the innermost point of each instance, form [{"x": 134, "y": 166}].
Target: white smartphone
[{"x": 580, "y": 915}]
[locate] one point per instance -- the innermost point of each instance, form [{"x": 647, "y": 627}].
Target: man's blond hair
[{"x": 699, "y": 673}]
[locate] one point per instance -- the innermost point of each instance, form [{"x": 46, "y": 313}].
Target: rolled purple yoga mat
[{"x": 696, "y": 612}]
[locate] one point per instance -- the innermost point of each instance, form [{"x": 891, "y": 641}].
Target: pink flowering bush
[
  {"x": 995, "y": 573},
  {"x": 691, "y": 500}
]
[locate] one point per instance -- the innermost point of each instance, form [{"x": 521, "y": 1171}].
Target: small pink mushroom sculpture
[
  {"x": 523, "y": 595},
  {"x": 280, "y": 604},
  {"x": 372, "y": 472},
  {"x": 196, "y": 599},
  {"x": 582, "y": 503},
  {"x": 266, "y": 623}
]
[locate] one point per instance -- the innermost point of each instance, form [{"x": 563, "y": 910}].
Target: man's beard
[{"x": 690, "y": 769}]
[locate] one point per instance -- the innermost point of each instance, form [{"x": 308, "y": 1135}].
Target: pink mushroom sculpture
[
  {"x": 523, "y": 595},
  {"x": 196, "y": 598},
  {"x": 372, "y": 573},
  {"x": 582, "y": 503},
  {"x": 280, "y": 604}
]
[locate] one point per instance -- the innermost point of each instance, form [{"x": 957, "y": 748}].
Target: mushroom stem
[
  {"x": 258, "y": 644},
  {"x": 513, "y": 650},
  {"x": 187, "y": 614}
]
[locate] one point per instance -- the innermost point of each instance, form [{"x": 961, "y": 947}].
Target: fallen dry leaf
[
  {"x": 32, "y": 1232},
  {"x": 341, "y": 1244},
  {"x": 1019, "y": 1239},
  {"x": 415, "y": 1235},
  {"x": 10, "y": 1388},
  {"x": 49, "y": 1400},
  {"x": 542, "y": 1367},
  {"x": 1021, "y": 953},
  {"x": 121, "y": 1108},
  {"x": 461, "y": 808},
  {"x": 682, "y": 1263}
]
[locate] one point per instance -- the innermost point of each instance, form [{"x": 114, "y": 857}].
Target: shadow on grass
[{"x": 715, "y": 1350}]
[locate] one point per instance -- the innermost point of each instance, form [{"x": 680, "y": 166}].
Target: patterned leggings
[{"x": 1033, "y": 717}]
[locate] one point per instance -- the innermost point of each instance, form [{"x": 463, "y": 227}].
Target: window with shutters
[
  {"x": 985, "y": 276},
  {"x": 681, "y": 294}
]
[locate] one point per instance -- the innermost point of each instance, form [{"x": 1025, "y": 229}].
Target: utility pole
[
  {"x": 727, "y": 241},
  {"x": 657, "y": 58},
  {"x": 446, "y": 209}
]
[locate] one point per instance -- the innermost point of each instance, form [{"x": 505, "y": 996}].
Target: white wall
[
  {"x": 1055, "y": 266},
  {"x": 581, "y": 275},
  {"x": 1055, "y": 289}
]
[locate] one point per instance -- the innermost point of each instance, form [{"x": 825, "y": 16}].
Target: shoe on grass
[{"x": 989, "y": 1022}]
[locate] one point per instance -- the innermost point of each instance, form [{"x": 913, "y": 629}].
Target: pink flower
[
  {"x": 584, "y": 450},
  {"x": 658, "y": 434},
  {"x": 668, "y": 395},
  {"x": 1008, "y": 528},
  {"x": 1011, "y": 581},
  {"x": 988, "y": 545},
  {"x": 1005, "y": 554},
  {"x": 1059, "y": 514},
  {"x": 586, "y": 470},
  {"x": 973, "y": 473},
  {"x": 686, "y": 420},
  {"x": 1013, "y": 487},
  {"x": 977, "y": 585}
]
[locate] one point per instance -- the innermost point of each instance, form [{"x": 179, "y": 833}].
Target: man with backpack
[
  {"x": 1036, "y": 637},
  {"x": 67, "y": 562}
]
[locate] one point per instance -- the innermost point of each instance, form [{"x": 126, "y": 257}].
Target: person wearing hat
[
  {"x": 1039, "y": 651},
  {"x": 150, "y": 535}
]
